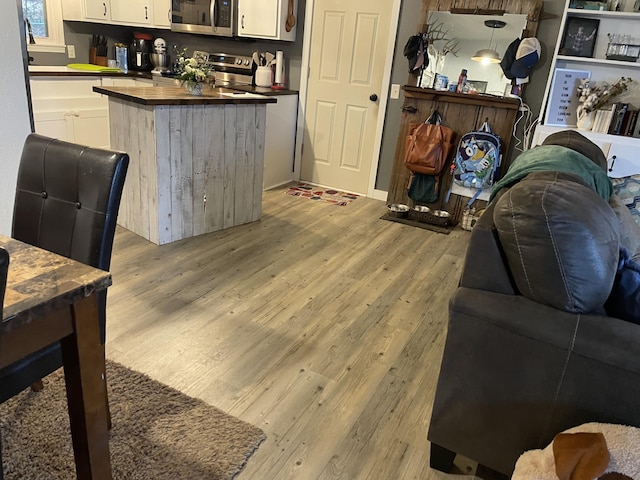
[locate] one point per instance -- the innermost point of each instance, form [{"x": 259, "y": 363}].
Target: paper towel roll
[{"x": 279, "y": 67}]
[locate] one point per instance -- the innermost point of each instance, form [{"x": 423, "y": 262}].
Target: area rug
[
  {"x": 313, "y": 192},
  {"x": 158, "y": 433}
]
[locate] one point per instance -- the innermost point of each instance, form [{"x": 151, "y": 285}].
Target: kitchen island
[{"x": 196, "y": 163}]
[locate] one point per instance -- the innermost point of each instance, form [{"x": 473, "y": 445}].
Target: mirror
[{"x": 458, "y": 37}]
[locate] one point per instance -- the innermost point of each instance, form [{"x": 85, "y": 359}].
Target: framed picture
[
  {"x": 477, "y": 86},
  {"x": 579, "y": 38},
  {"x": 563, "y": 98}
]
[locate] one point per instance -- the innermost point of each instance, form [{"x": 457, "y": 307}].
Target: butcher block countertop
[{"x": 179, "y": 96}]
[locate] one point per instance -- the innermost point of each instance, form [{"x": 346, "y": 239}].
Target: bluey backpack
[{"x": 477, "y": 160}]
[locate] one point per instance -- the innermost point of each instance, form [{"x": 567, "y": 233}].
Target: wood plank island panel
[{"x": 193, "y": 168}]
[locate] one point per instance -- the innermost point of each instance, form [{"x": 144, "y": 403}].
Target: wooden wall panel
[{"x": 463, "y": 114}]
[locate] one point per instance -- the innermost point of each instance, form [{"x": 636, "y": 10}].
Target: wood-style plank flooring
[{"x": 322, "y": 325}]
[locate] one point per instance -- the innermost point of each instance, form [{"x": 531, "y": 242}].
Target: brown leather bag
[{"x": 428, "y": 146}]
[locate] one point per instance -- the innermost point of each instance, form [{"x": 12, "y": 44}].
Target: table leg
[{"x": 83, "y": 366}]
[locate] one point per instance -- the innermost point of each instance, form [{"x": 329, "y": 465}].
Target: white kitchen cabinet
[
  {"x": 87, "y": 10},
  {"x": 266, "y": 19},
  {"x": 162, "y": 13},
  {"x": 280, "y": 140},
  {"x": 141, "y": 13},
  {"x": 68, "y": 109},
  {"x": 601, "y": 69},
  {"x": 138, "y": 12},
  {"x": 98, "y": 9}
]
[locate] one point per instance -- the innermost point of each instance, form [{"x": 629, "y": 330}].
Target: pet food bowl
[
  {"x": 439, "y": 217},
  {"x": 398, "y": 210},
  {"x": 419, "y": 213}
]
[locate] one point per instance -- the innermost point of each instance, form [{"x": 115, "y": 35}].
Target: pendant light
[{"x": 488, "y": 55}]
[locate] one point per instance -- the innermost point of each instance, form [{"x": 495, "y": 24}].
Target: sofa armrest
[
  {"x": 485, "y": 265},
  {"x": 505, "y": 364}
]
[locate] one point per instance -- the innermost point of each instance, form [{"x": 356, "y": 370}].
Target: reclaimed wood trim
[
  {"x": 184, "y": 169},
  {"x": 229, "y": 169},
  {"x": 466, "y": 99},
  {"x": 198, "y": 169},
  {"x": 241, "y": 165},
  {"x": 214, "y": 180},
  {"x": 160, "y": 232},
  {"x": 260, "y": 132}
]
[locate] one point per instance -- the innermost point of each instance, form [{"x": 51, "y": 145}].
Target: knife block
[{"x": 95, "y": 59}]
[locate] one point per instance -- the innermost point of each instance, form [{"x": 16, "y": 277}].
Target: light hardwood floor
[{"x": 322, "y": 325}]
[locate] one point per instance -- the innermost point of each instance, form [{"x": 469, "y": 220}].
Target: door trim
[{"x": 384, "y": 95}]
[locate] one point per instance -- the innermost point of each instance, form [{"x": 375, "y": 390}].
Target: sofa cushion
[
  {"x": 624, "y": 301},
  {"x": 629, "y": 229},
  {"x": 561, "y": 240}
]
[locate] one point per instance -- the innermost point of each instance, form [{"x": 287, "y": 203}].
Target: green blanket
[{"x": 553, "y": 158}]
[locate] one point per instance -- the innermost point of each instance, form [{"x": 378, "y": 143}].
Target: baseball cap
[
  {"x": 578, "y": 143},
  {"x": 509, "y": 57},
  {"x": 527, "y": 56},
  {"x": 415, "y": 52}
]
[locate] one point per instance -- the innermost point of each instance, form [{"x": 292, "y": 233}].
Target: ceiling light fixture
[{"x": 488, "y": 55}]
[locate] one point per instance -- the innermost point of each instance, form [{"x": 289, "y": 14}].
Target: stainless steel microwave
[{"x": 208, "y": 17}]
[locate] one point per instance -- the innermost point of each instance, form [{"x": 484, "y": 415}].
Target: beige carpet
[{"x": 158, "y": 433}]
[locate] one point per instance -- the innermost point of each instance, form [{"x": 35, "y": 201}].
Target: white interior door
[{"x": 346, "y": 67}]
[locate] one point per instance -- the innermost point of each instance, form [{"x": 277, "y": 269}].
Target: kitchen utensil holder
[{"x": 263, "y": 76}]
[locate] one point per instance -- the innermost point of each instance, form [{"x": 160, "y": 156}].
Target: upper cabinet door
[
  {"x": 258, "y": 18},
  {"x": 97, "y": 9},
  {"x": 265, "y": 19},
  {"x": 162, "y": 13},
  {"x": 132, "y": 11}
]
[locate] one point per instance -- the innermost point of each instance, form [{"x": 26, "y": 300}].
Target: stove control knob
[
  {"x": 239, "y": 61},
  {"x": 246, "y": 62}
]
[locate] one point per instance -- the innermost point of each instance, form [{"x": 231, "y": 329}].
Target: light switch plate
[
  {"x": 71, "y": 51},
  {"x": 395, "y": 90}
]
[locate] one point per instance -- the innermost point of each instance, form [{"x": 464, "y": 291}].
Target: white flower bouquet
[
  {"x": 193, "y": 72},
  {"x": 592, "y": 96}
]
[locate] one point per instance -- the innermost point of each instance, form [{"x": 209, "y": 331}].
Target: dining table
[{"x": 50, "y": 298}]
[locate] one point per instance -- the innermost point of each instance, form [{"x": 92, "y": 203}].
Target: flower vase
[
  {"x": 585, "y": 120},
  {"x": 193, "y": 88}
]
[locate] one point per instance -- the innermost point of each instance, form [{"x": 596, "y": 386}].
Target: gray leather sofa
[{"x": 519, "y": 368}]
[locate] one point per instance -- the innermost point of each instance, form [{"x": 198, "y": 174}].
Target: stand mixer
[{"x": 159, "y": 57}]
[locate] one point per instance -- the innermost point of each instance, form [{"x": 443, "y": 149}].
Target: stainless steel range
[{"x": 230, "y": 69}]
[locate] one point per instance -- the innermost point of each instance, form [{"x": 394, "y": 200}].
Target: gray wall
[
  {"x": 79, "y": 34},
  {"x": 408, "y": 26}
]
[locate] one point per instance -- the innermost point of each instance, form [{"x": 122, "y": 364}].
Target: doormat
[{"x": 313, "y": 192}]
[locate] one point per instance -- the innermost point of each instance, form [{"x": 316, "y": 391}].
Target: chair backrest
[
  {"x": 67, "y": 200},
  {"x": 4, "y": 269}
]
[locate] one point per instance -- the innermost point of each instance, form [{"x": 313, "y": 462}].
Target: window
[{"x": 45, "y": 18}]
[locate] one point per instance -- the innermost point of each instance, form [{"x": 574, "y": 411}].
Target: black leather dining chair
[
  {"x": 4, "y": 269},
  {"x": 67, "y": 200}
]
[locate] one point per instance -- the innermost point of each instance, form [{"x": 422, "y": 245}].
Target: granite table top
[{"x": 41, "y": 282}]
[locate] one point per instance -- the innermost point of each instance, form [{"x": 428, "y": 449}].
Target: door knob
[{"x": 373, "y": 97}]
